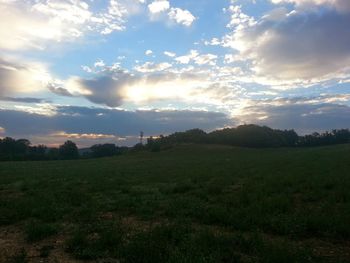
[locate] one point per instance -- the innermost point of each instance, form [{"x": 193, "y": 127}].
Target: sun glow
[{"x": 144, "y": 91}]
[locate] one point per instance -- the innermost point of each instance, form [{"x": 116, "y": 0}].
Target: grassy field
[{"x": 191, "y": 203}]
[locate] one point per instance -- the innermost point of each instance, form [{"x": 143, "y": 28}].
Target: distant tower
[{"x": 141, "y": 137}]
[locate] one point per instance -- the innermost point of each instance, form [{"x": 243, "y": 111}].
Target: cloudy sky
[{"x": 97, "y": 71}]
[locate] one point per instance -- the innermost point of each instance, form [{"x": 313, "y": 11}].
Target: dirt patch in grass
[
  {"x": 334, "y": 251},
  {"x": 15, "y": 248},
  {"x": 10, "y": 194}
]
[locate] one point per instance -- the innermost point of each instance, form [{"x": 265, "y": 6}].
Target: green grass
[
  {"x": 19, "y": 257},
  {"x": 191, "y": 203},
  {"x": 38, "y": 230}
]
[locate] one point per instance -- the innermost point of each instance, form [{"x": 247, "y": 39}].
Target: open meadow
[{"x": 190, "y": 203}]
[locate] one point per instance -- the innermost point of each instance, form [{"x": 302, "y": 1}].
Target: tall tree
[{"x": 68, "y": 150}]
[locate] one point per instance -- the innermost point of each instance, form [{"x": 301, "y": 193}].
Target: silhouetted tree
[
  {"x": 8, "y": 146},
  {"x": 53, "y": 154},
  {"x": 141, "y": 137},
  {"x": 68, "y": 150},
  {"x": 102, "y": 150},
  {"x": 153, "y": 145},
  {"x": 326, "y": 138},
  {"x": 38, "y": 152},
  {"x": 22, "y": 146},
  {"x": 11, "y": 149}
]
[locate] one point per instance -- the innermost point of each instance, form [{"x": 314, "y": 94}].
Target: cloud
[
  {"x": 118, "y": 88},
  {"x": 22, "y": 77},
  {"x": 149, "y": 82},
  {"x": 24, "y": 100},
  {"x": 299, "y": 47},
  {"x": 206, "y": 59},
  {"x": 99, "y": 63},
  {"x": 116, "y": 16},
  {"x": 158, "y": 6},
  {"x": 187, "y": 58},
  {"x": 35, "y": 24},
  {"x": 152, "y": 67},
  {"x": 58, "y": 90},
  {"x": 214, "y": 42},
  {"x": 102, "y": 90},
  {"x": 148, "y": 52},
  {"x": 180, "y": 16},
  {"x": 93, "y": 124},
  {"x": 46, "y": 109},
  {"x": 169, "y": 54},
  {"x": 339, "y": 5},
  {"x": 161, "y": 9},
  {"x": 199, "y": 59},
  {"x": 238, "y": 18},
  {"x": 92, "y": 136},
  {"x": 32, "y": 25},
  {"x": 304, "y": 118}
]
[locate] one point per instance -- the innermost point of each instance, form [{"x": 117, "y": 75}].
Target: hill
[{"x": 191, "y": 203}]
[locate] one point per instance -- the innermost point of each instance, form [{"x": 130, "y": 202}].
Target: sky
[{"x": 101, "y": 71}]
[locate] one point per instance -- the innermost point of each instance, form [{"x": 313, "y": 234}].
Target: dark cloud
[
  {"x": 58, "y": 90},
  {"x": 83, "y": 120},
  {"x": 106, "y": 89},
  {"x": 301, "y": 45},
  {"x": 110, "y": 87},
  {"x": 304, "y": 118},
  {"x": 24, "y": 100},
  {"x": 339, "y": 5}
]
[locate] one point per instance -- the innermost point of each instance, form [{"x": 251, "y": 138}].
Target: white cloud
[
  {"x": 76, "y": 12},
  {"x": 169, "y": 54},
  {"x": 26, "y": 26},
  {"x": 152, "y": 67},
  {"x": 148, "y": 52},
  {"x": 180, "y": 16},
  {"x": 204, "y": 59},
  {"x": 158, "y": 6},
  {"x": 231, "y": 58},
  {"x": 35, "y": 24},
  {"x": 154, "y": 84},
  {"x": 194, "y": 56},
  {"x": 214, "y": 42},
  {"x": 87, "y": 69},
  {"x": 183, "y": 59},
  {"x": 238, "y": 18},
  {"x": 93, "y": 136},
  {"x": 161, "y": 10},
  {"x": 115, "y": 17},
  {"x": 112, "y": 20},
  {"x": 187, "y": 58},
  {"x": 99, "y": 63},
  {"x": 297, "y": 48},
  {"x": 19, "y": 77}
]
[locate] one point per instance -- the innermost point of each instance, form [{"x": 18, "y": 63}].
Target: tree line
[
  {"x": 22, "y": 150},
  {"x": 242, "y": 136},
  {"x": 250, "y": 136}
]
